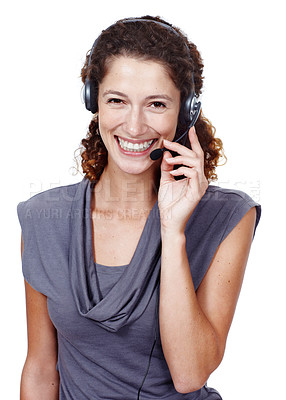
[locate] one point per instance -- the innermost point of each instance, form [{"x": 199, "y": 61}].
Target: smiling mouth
[{"x": 134, "y": 147}]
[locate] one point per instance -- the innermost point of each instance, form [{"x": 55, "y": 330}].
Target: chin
[{"x": 133, "y": 169}]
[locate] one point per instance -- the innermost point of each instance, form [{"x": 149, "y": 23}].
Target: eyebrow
[{"x": 151, "y": 97}]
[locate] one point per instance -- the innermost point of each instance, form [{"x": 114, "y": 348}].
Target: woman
[{"x": 133, "y": 274}]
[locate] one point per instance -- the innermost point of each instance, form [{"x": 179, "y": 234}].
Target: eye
[
  {"x": 114, "y": 101},
  {"x": 158, "y": 104}
]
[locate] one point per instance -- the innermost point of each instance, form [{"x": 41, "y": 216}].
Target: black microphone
[{"x": 158, "y": 153}]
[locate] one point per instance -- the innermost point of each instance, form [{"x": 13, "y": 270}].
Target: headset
[{"x": 190, "y": 108}]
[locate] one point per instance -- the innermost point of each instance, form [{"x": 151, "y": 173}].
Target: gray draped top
[{"x": 107, "y": 317}]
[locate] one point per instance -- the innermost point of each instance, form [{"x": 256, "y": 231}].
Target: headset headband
[{"x": 125, "y": 21}]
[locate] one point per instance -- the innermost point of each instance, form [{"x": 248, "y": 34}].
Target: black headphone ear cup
[
  {"x": 93, "y": 97},
  {"x": 195, "y": 111},
  {"x": 86, "y": 94},
  {"x": 188, "y": 108},
  {"x": 90, "y": 96},
  {"x": 192, "y": 108},
  {"x": 185, "y": 116}
]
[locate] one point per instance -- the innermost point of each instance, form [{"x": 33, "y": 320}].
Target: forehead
[{"x": 129, "y": 71}]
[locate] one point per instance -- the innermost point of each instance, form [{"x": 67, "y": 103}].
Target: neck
[{"x": 118, "y": 189}]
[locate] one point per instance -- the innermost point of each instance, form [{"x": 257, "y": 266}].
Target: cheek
[
  {"x": 166, "y": 126},
  {"x": 107, "y": 119}
]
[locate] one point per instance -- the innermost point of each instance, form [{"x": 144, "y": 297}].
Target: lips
[{"x": 134, "y": 147}]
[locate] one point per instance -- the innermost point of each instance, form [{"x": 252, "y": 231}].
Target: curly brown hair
[{"x": 153, "y": 42}]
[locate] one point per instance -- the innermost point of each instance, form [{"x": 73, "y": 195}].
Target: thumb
[{"x": 166, "y": 168}]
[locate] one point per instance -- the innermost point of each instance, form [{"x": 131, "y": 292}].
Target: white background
[{"x": 43, "y": 46}]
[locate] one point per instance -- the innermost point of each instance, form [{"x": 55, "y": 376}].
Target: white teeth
[{"x": 136, "y": 147}]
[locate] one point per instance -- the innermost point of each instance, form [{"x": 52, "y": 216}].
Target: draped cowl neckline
[{"x": 129, "y": 297}]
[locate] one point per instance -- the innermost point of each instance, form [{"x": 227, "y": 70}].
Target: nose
[{"x": 134, "y": 123}]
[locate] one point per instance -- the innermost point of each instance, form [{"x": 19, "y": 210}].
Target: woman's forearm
[
  {"x": 189, "y": 341},
  {"x": 39, "y": 382}
]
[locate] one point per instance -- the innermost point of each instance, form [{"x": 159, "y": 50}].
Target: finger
[
  {"x": 198, "y": 181},
  {"x": 194, "y": 140},
  {"x": 188, "y": 172},
  {"x": 189, "y": 161},
  {"x": 166, "y": 168},
  {"x": 178, "y": 148},
  {"x": 195, "y": 188}
]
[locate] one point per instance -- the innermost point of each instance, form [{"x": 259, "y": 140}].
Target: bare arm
[
  {"x": 194, "y": 326},
  {"x": 40, "y": 379}
]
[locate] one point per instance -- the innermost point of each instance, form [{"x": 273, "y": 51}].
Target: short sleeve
[
  {"x": 32, "y": 265},
  {"x": 45, "y": 222},
  {"x": 218, "y": 212},
  {"x": 242, "y": 203}
]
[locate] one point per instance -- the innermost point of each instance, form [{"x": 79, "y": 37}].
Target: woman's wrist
[
  {"x": 171, "y": 225},
  {"x": 173, "y": 234}
]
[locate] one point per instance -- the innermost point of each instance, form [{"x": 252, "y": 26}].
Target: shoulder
[
  {"x": 232, "y": 205},
  {"x": 228, "y": 201},
  {"x": 48, "y": 211},
  {"x": 49, "y": 202},
  {"x": 219, "y": 211},
  {"x": 216, "y": 193}
]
